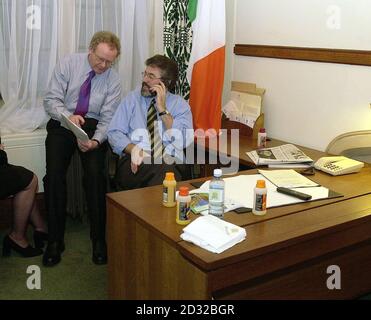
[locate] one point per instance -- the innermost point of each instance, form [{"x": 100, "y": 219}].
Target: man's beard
[{"x": 145, "y": 92}]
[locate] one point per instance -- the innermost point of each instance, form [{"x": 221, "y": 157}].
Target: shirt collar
[{"x": 87, "y": 66}]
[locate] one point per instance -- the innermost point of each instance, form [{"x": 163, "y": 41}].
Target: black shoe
[
  {"x": 40, "y": 238},
  {"x": 99, "y": 252},
  {"x": 9, "y": 245},
  {"x": 52, "y": 255}
]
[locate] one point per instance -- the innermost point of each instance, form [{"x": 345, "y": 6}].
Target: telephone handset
[
  {"x": 338, "y": 165},
  {"x": 166, "y": 82}
]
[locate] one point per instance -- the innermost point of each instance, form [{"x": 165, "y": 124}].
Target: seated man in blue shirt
[
  {"x": 87, "y": 90},
  {"x": 150, "y": 128}
]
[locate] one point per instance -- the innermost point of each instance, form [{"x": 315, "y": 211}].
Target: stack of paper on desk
[
  {"x": 287, "y": 153},
  {"x": 213, "y": 234},
  {"x": 239, "y": 190},
  {"x": 288, "y": 179},
  {"x": 289, "y": 165}
]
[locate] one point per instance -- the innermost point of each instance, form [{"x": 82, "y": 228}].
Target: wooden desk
[{"x": 285, "y": 255}]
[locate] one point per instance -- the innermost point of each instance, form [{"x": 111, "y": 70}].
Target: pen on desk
[{"x": 294, "y": 193}]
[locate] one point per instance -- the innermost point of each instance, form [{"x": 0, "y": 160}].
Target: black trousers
[
  {"x": 60, "y": 145},
  {"x": 147, "y": 175}
]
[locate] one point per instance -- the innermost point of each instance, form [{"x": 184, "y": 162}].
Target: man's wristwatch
[{"x": 163, "y": 113}]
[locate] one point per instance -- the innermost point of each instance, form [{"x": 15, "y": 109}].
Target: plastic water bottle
[{"x": 216, "y": 194}]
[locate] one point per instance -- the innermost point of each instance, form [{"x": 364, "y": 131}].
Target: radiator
[{"x": 28, "y": 150}]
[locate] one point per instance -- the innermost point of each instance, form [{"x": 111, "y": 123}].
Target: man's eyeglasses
[
  {"x": 150, "y": 76},
  {"x": 101, "y": 61}
]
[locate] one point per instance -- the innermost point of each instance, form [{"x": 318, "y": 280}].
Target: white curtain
[
  {"x": 35, "y": 34},
  {"x": 27, "y": 56}
]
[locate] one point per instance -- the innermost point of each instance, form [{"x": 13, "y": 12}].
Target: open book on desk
[
  {"x": 77, "y": 131},
  {"x": 287, "y": 153}
]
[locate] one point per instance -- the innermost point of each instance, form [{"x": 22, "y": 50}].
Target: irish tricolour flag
[{"x": 206, "y": 66}]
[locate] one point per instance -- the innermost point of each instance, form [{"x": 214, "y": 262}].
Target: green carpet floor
[{"x": 75, "y": 278}]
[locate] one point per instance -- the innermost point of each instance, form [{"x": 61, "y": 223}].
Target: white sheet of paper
[
  {"x": 287, "y": 178},
  {"x": 248, "y": 104},
  {"x": 240, "y": 191},
  {"x": 289, "y": 165},
  {"x": 77, "y": 131}
]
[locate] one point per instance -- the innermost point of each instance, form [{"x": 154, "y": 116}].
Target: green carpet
[{"x": 76, "y": 277}]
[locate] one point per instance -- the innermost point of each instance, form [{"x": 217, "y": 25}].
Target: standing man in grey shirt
[{"x": 87, "y": 90}]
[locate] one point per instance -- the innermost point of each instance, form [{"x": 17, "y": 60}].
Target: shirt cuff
[{"x": 96, "y": 141}]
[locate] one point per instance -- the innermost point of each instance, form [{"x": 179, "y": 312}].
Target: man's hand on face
[{"x": 160, "y": 90}]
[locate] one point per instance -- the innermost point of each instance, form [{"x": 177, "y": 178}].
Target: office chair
[{"x": 355, "y": 145}]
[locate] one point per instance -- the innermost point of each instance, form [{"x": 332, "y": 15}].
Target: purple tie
[{"x": 82, "y": 106}]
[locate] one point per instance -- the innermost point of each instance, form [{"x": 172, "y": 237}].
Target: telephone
[
  {"x": 338, "y": 165},
  {"x": 167, "y": 84}
]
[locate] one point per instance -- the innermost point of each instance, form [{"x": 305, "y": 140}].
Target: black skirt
[{"x": 13, "y": 179}]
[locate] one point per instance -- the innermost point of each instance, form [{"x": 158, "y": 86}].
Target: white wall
[{"x": 306, "y": 103}]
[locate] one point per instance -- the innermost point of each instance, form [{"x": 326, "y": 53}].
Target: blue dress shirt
[{"x": 129, "y": 124}]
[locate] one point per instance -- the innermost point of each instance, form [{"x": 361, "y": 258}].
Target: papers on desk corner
[
  {"x": 289, "y": 165},
  {"x": 77, "y": 131},
  {"x": 213, "y": 234},
  {"x": 239, "y": 191},
  {"x": 287, "y": 178},
  {"x": 287, "y": 153}
]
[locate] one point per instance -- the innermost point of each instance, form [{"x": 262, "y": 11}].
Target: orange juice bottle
[
  {"x": 260, "y": 199},
  {"x": 183, "y": 206},
  {"x": 169, "y": 187}
]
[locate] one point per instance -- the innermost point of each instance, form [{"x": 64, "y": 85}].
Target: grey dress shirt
[{"x": 105, "y": 95}]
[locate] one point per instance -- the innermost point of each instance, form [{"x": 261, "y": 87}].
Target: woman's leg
[
  {"x": 36, "y": 219},
  {"x": 23, "y": 204}
]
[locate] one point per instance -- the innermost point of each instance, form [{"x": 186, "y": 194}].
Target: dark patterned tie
[
  {"x": 152, "y": 126},
  {"x": 82, "y": 106}
]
